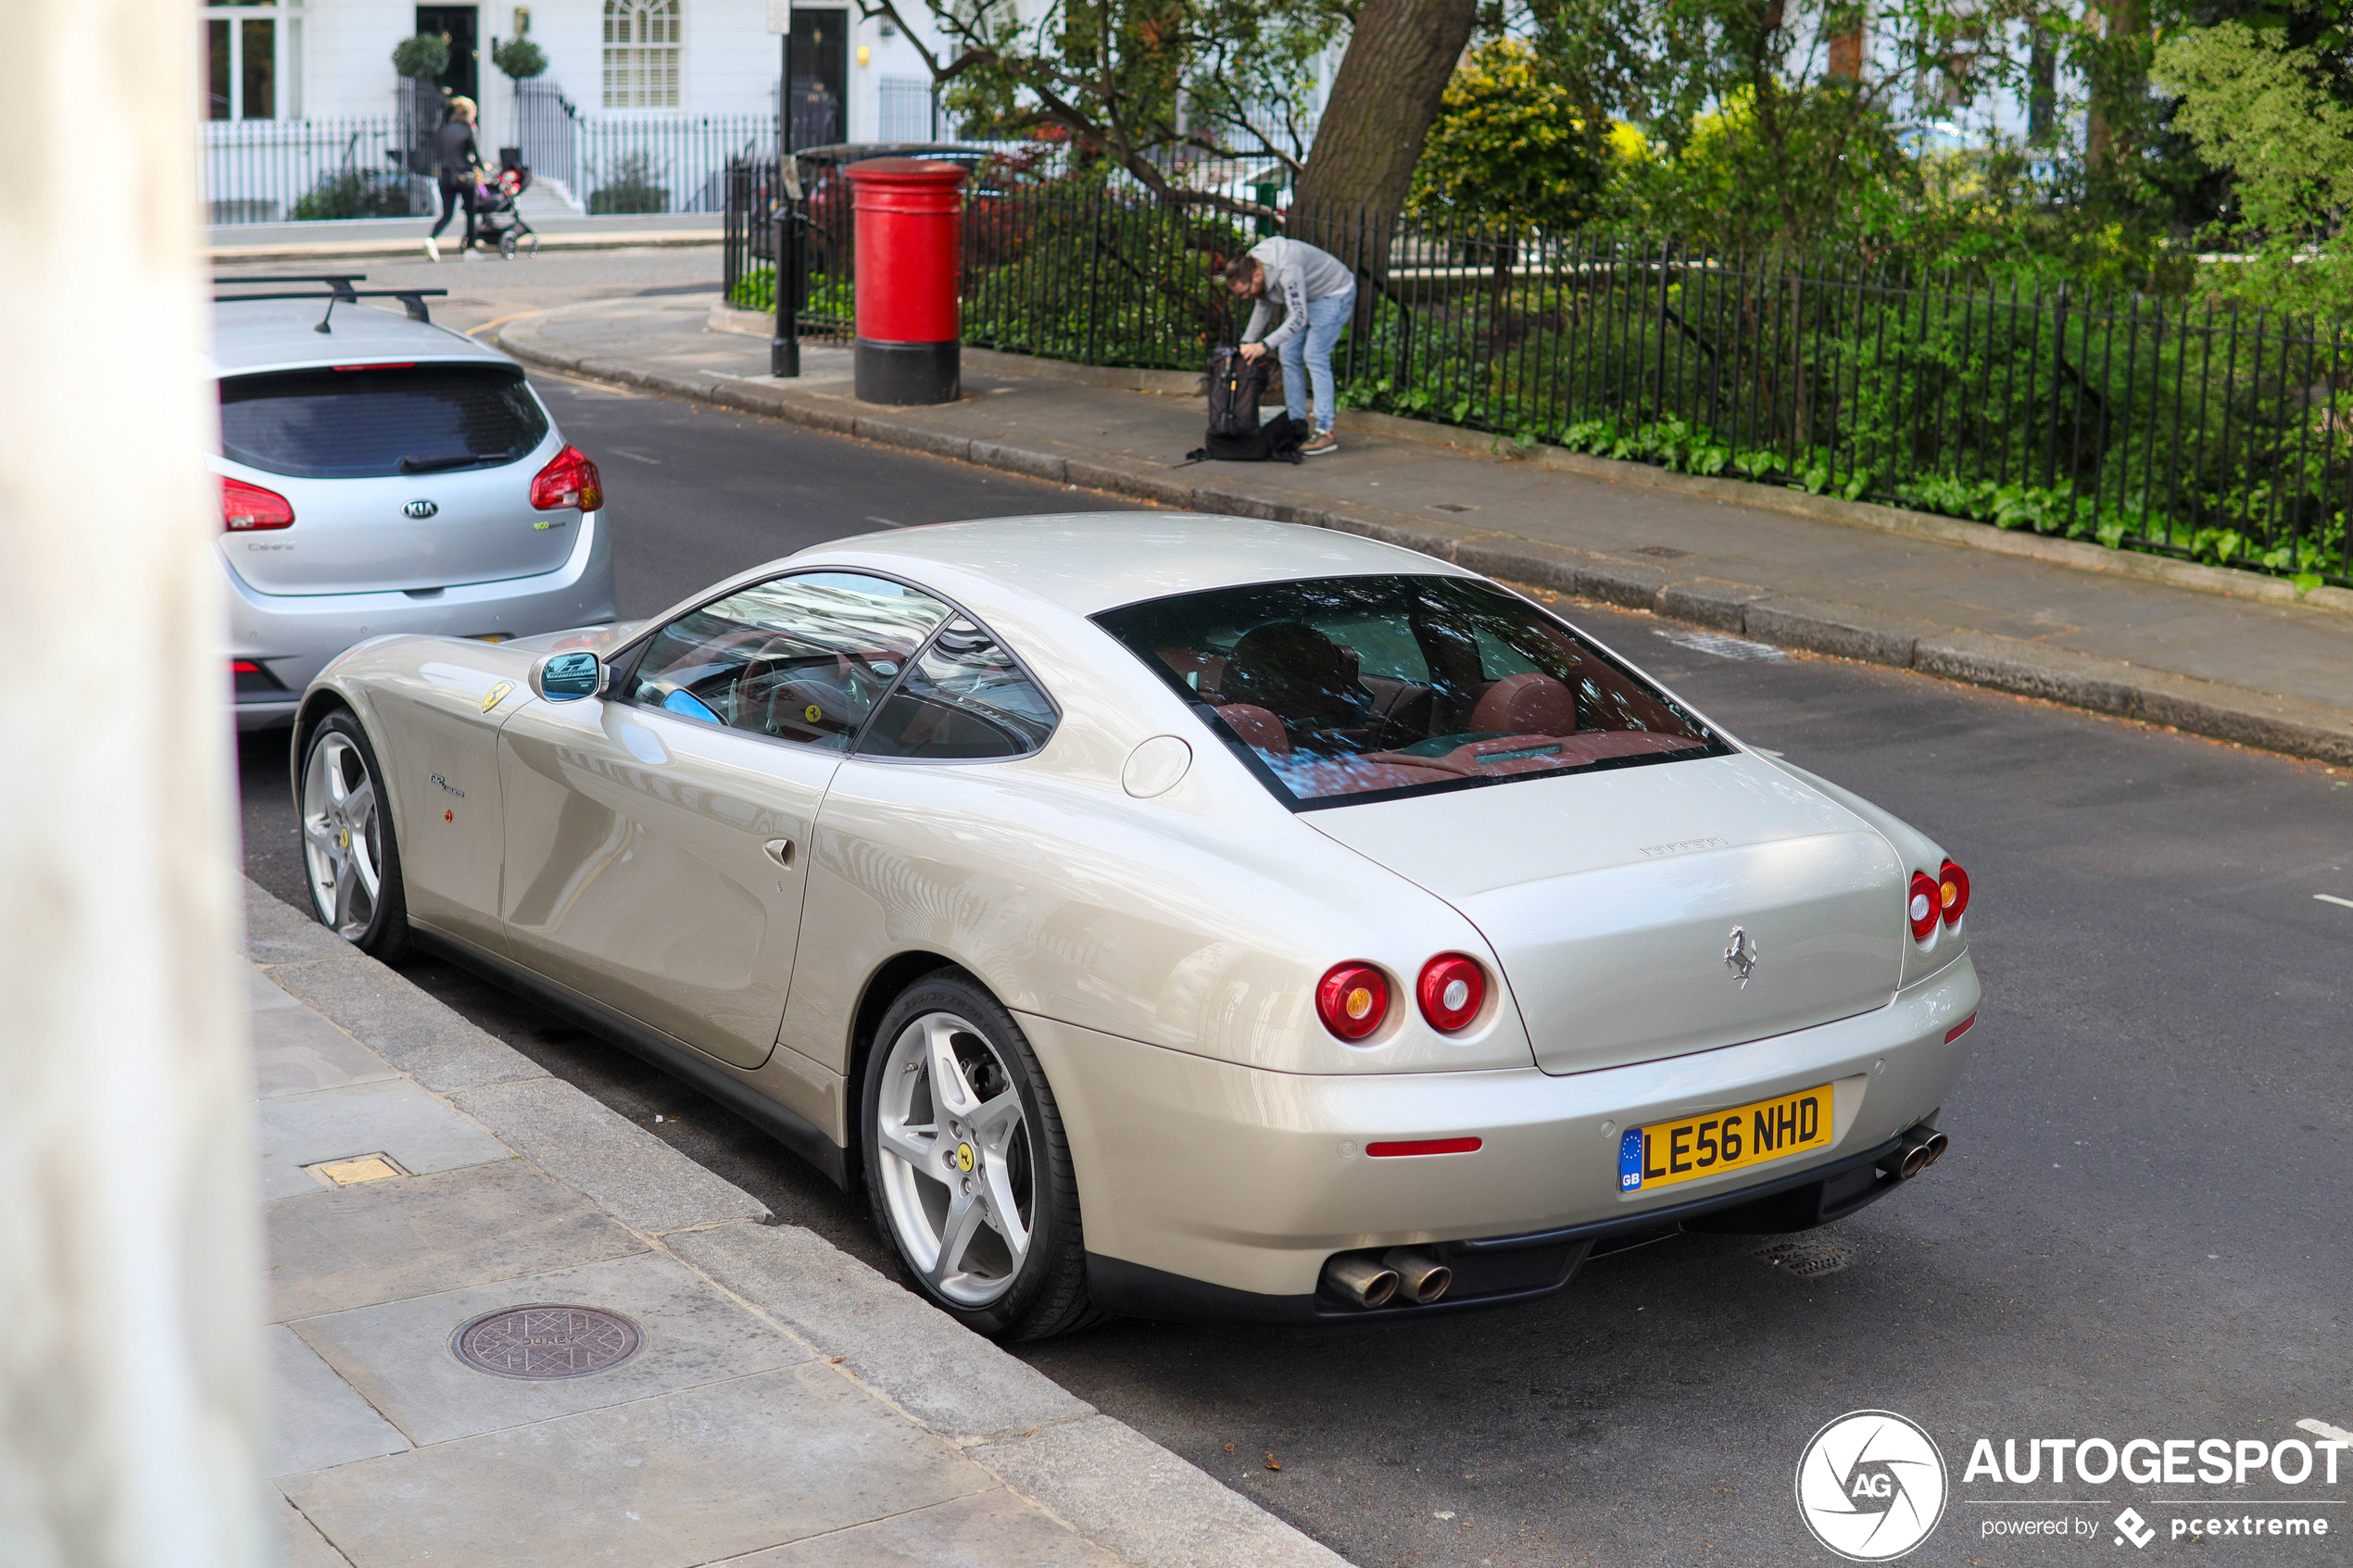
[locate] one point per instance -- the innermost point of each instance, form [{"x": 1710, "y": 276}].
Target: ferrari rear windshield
[
  {"x": 1350, "y": 688},
  {"x": 379, "y": 421}
]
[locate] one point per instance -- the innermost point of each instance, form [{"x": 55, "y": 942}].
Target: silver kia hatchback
[{"x": 388, "y": 475}]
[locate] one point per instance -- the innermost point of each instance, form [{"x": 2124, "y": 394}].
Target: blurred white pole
[{"x": 128, "y": 1362}]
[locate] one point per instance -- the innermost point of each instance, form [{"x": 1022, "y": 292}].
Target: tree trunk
[{"x": 1383, "y": 100}]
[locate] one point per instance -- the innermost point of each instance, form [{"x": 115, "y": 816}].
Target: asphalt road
[{"x": 2141, "y": 1229}]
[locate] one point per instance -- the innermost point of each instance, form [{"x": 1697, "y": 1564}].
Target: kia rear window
[
  {"x": 1347, "y": 689},
  {"x": 371, "y": 423}
]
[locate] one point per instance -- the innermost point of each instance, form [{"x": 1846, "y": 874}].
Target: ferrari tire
[
  {"x": 351, "y": 862},
  {"x": 966, "y": 1166}
]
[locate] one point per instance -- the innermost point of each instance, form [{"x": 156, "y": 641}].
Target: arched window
[{"x": 642, "y": 39}]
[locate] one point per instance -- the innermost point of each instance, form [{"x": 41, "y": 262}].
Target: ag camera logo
[{"x": 1871, "y": 1486}]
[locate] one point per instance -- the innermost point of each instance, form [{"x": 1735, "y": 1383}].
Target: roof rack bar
[{"x": 340, "y": 292}]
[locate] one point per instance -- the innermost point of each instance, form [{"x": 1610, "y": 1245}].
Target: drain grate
[
  {"x": 1450, "y": 507},
  {"x": 1807, "y": 1257},
  {"x": 1718, "y": 645},
  {"x": 540, "y": 1342},
  {"x": 1664, "y": 552}
]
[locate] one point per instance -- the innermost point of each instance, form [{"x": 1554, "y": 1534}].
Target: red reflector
[
  {"x": 1422, "y": 1146},
  {"x": 569, "y": 480},
  {"x": 403, "y": 365},
  {"x": 1960, "y": 1029},
  {"x": 244, "y": 667}
]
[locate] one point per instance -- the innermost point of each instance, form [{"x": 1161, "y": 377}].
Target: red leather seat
[
  {"x": 1257, "y": 725},
  {"x": 1526, "y": 705}
]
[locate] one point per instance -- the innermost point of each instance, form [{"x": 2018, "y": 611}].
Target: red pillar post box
[{"x": 910, "y": 245}]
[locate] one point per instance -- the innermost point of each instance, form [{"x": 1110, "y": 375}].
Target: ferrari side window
[
  {"x": 800, "y": 659},
  {"x": 964, "y": 700}
]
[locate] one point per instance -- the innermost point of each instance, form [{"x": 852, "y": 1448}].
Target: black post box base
[{"x": 907, "y": 374}]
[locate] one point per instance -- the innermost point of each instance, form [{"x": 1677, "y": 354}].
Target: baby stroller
[{"x": 499, "y": 219}]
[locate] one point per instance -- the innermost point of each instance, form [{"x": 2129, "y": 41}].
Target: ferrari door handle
[{"x": 779, "y": 850}]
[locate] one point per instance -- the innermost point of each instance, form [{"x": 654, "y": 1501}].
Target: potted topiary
[{"x": 425, "y": 56}]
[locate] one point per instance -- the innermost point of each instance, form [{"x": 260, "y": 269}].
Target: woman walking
[{"x": 457, "y": 160}]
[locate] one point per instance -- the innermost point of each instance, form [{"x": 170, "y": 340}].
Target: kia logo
[{"x": 419, "y": 509}]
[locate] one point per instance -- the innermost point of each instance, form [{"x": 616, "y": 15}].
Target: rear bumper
[
  {"x": 1500, "y": 1270},
  {"x": 1211, "y": 1189},
  {"x": 294, "y": 635}
]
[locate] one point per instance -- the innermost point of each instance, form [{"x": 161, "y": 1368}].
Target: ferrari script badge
[{"x": 1741, "y": 955}]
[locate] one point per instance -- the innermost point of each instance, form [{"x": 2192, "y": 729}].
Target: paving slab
[
  {"x": 1125, "y": 1491},
  {"x": 316, "y": 1419},
  {"x": 687, "y": 1478},
  {"x": 393, "y": 1117},
  {"x": 398, "y": 1355},
  {"x": 988, "y": 1530},
  {"x": 334, "y": 1249},
  {"x": 636, "y": 1177},
  {"x": 414, "y": 1032},
  {"x": 277, "y": 933},
  {"x": 928, "y": 1364},
  {"x": 295, "y": 1051},
  {"x": 299, "y": 1543}
]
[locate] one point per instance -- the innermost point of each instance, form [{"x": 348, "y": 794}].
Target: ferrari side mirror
[{"x": 567, "y": 677}]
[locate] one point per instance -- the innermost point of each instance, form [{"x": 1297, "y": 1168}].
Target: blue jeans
[{"x": 1307, "y": 358}]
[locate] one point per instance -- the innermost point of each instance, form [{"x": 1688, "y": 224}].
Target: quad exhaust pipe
[
  {"x": 1406, "y": 1272},
  {"x": 1922, "y": 1148}
]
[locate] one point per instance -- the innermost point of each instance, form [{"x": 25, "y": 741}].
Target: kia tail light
[
  {"x": 248, "y": 507},
  {"x": 569, "y": 480},
  {"x": 1451, "y": 990},
  {"x": 1353, "y": 1000}
]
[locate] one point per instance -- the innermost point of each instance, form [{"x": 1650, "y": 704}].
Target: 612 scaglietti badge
[{"x": 1288, "y": 905}]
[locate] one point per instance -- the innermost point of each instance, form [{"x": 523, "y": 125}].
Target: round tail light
[
  {"x": 1451, "y": 990},
  {"x": 1353, "y": 1000},
  {"x": 1926, "y": 903},
  {"x": 1953, "y": 892}
]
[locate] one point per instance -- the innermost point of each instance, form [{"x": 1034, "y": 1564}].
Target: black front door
[
  {"x": 455, "y": 26},
  {"x": 820, "y": 76}
]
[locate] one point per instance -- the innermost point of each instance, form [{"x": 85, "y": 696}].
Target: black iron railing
[
  {"x": 2187, "y": 430},
  {"x": 271, "y": 171}
]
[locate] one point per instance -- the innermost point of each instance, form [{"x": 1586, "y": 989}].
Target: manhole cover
[
  {"x": 544, "y": 1342},
  {"x": 1807, "y": 1257}
]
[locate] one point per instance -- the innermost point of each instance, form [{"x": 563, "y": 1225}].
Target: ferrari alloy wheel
[
  {"x": 348, "y": 851},
  {"x": 966, "y": 1165}
]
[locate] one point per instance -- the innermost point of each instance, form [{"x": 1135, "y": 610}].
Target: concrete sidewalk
[
  {"x": 659, "y": 1379},
  {"x": 2223, "y": 654}
]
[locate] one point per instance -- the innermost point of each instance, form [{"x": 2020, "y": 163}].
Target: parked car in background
[
  {"x": 387, "y": 475},
  {"x": 1339, "y": 934}
]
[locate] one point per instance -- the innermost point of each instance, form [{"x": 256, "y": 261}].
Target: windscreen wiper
[{"x": 439, "y": 465}]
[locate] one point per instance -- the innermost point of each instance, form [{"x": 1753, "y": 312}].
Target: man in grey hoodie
[{"x": 1316, "y": 293}]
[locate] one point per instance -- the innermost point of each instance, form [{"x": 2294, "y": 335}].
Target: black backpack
[{"x": 1236, "y": 433}]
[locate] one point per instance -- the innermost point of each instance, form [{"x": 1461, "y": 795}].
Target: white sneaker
[{"x": 432, "y": 248}]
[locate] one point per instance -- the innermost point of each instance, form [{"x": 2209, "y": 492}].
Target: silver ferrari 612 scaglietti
[{"x": 1172, "y": 915}]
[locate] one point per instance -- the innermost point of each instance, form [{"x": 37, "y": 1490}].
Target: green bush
[
  {"x": 353, "y": 193},
  {"x": 629, "y": 187},
  {"x": 425, "y": 56},
  {"x": 519, "y": 58}
]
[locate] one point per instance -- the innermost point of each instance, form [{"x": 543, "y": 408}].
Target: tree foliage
[
  {"x": 1510, "y": 151},
  {"x": 1145, "y": 84}
]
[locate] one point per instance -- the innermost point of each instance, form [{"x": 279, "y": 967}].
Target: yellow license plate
[{"x": 1666, "y": 1152}]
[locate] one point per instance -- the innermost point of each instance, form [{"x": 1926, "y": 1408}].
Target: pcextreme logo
[{"x": 1871, "y": 1486}]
